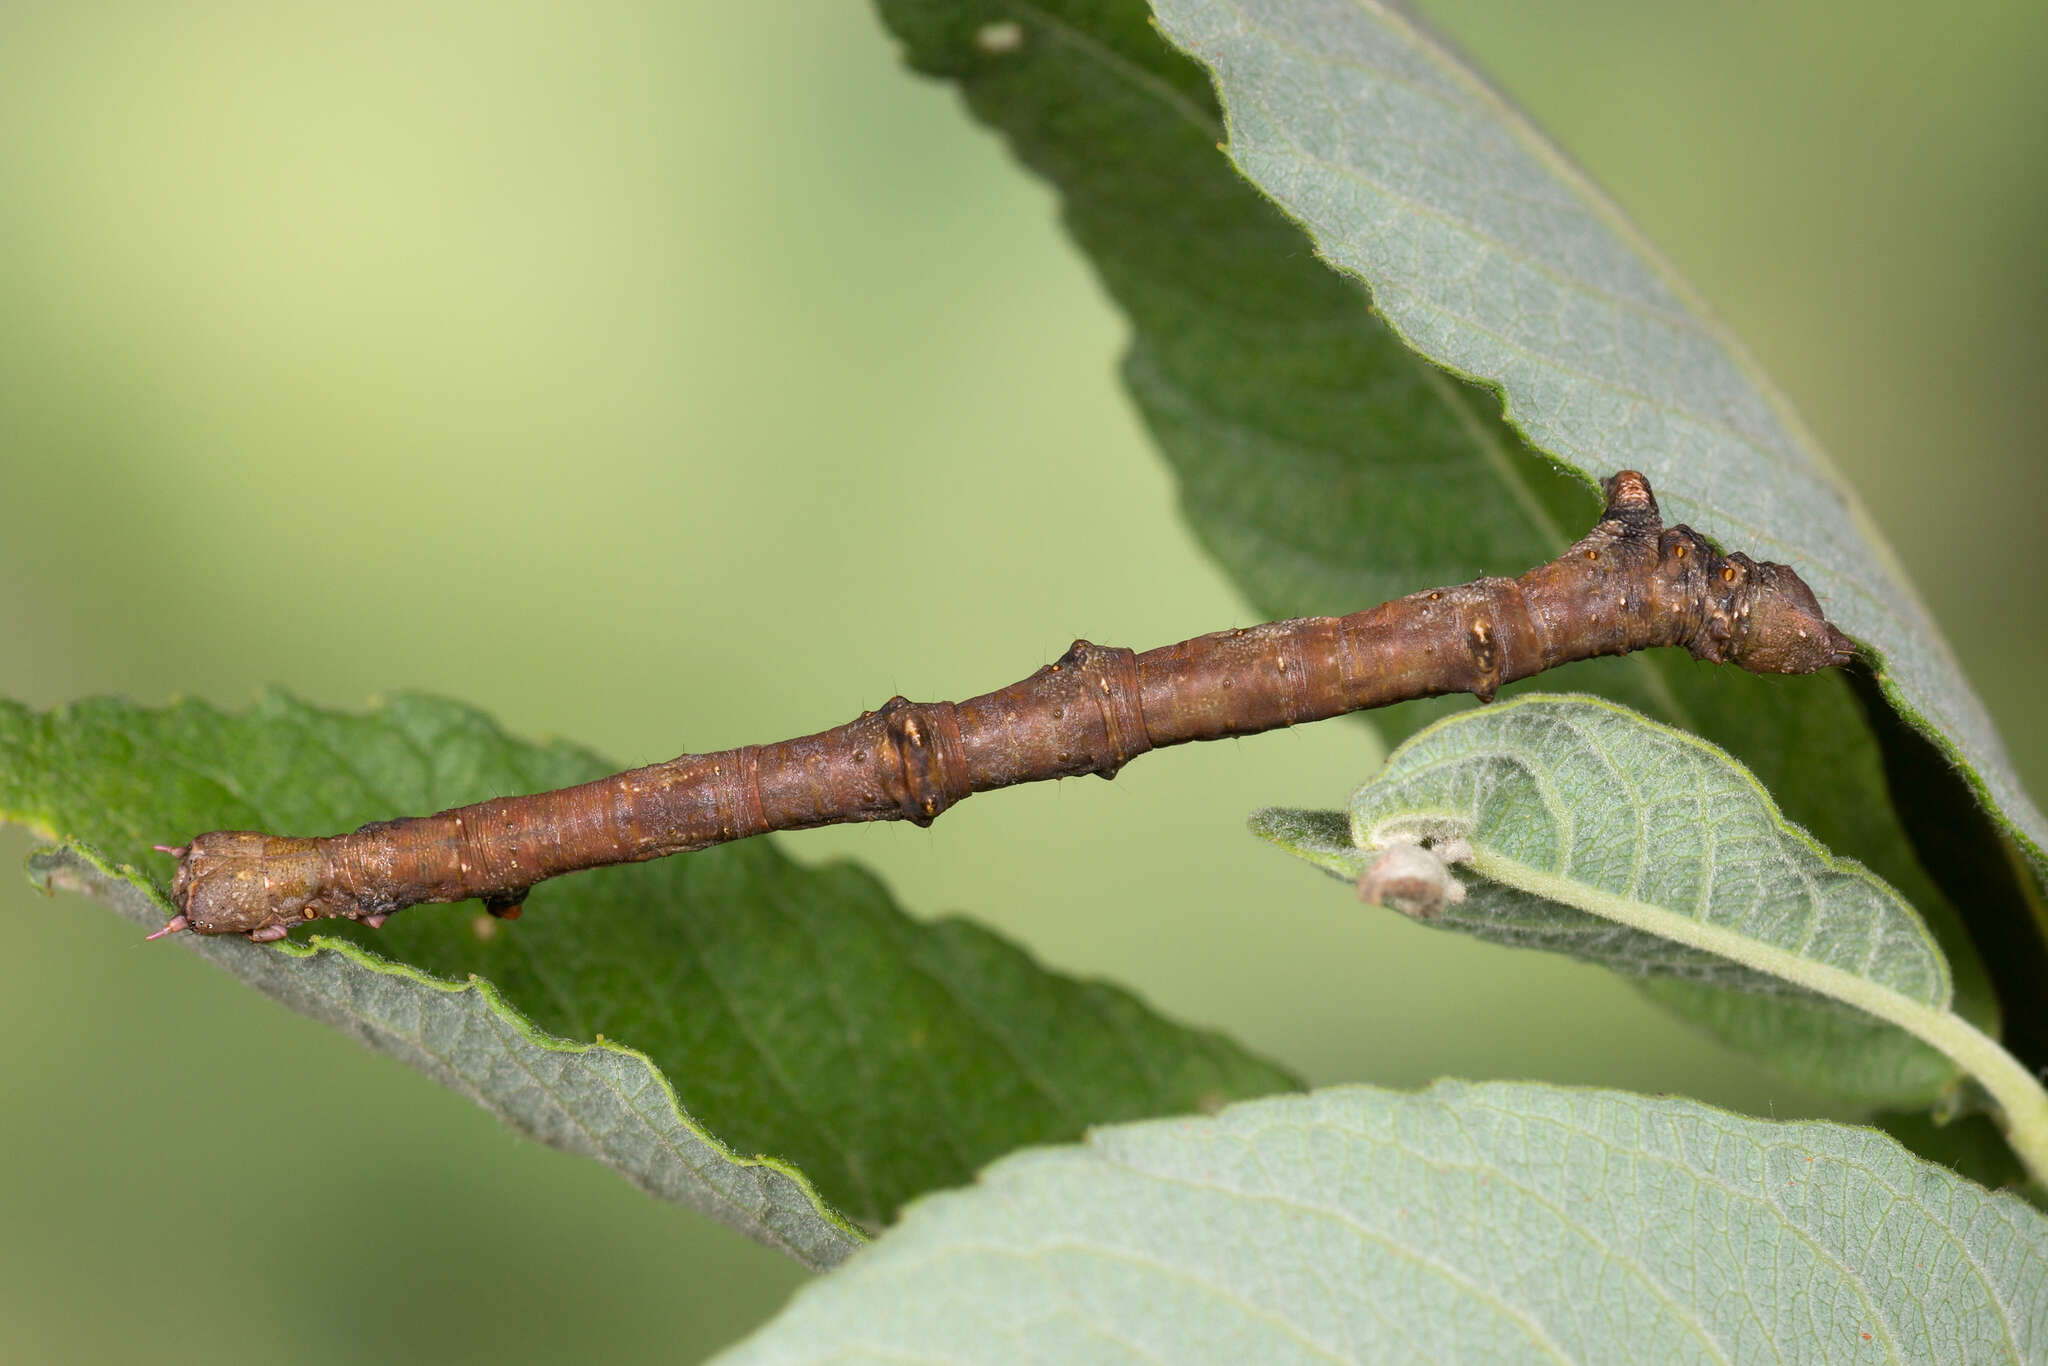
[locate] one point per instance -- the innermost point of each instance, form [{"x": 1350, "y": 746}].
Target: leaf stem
[{"x": 2018, "y": 1093}]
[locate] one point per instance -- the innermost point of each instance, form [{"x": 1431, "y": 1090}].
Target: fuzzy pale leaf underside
[
  {"x": 1590, "y": 792},
  {"x": 598, "y": 1100},
  {"x": 1489, "y": 252},
  {"x": 1467, "y": 1223},
  {"x": 1604, "y": 803}
]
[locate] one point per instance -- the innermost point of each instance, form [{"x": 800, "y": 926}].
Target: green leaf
[
  {"x": 792, "y": 1011},
  {"x": 1324, "y": 464},
  {"x": 1489, "y": 252},
  {"x": 1571, "y": 803},
  {"x": 1467, "y": 1223},
  {"x": 1594, "y": 795},
  {"x": 599, "y": 1100}
]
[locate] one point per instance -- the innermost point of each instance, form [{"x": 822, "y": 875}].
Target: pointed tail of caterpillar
[{"x": 1630, "y": 584}]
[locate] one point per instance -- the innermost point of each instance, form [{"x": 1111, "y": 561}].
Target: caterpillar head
[
  {"x": 244, "y": 882},
  {"x": 1764, "y": 618}
]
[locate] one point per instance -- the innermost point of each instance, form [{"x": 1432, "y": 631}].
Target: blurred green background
[{"x": 673, "y": 376}]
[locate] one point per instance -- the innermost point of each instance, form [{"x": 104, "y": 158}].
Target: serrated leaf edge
[{"x": 77, "y": 866}]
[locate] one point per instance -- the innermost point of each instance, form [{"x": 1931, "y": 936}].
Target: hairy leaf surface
[
  {"x": 1323, "y": 462},
  {"x": 599, "y": 1100},
  {"x": 793, "y": 1011},
  {"x": 1466, "y": 1223},
  {"x": 1489, "y": 252},
  {"x": 1608, "y": 804}
]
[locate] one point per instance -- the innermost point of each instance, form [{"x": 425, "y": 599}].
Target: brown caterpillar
[{"x": 1630, "y": 584}]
